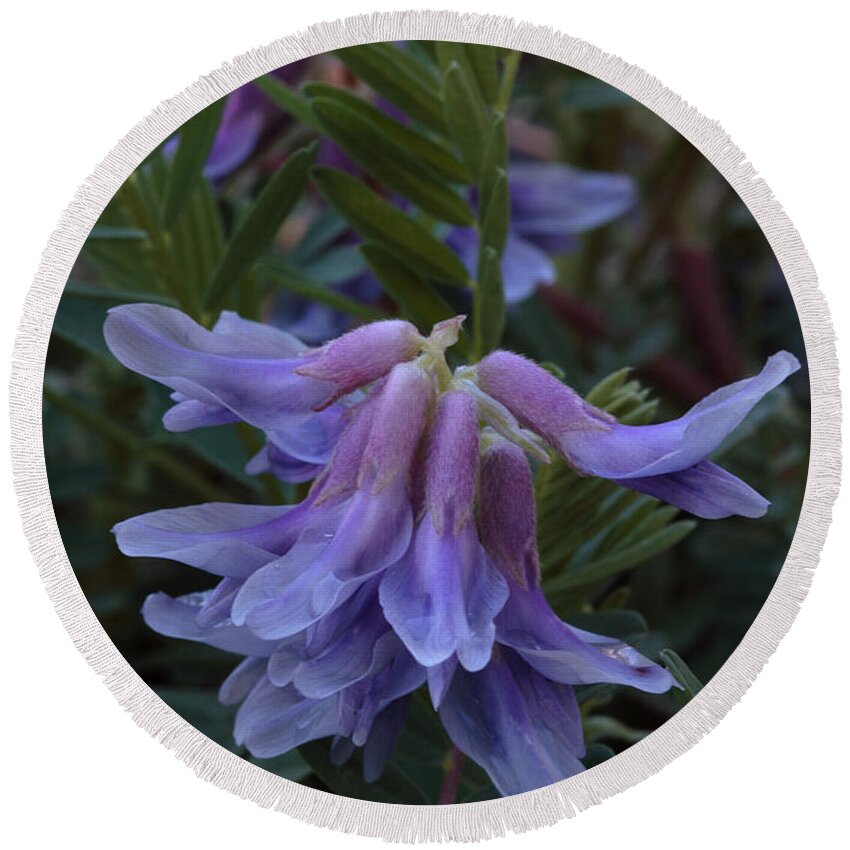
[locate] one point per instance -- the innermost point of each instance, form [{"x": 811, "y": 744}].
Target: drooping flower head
[{"x": 413, "y": 557}]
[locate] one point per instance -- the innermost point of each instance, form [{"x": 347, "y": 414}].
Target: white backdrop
[{"x": 77, "y": 77}]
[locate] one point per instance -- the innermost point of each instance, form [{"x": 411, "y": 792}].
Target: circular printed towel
[{"x": 426, "y": 422}]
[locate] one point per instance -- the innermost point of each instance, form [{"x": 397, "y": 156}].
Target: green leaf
[
  {"x": 220, "y": 447},
  {"x": 596, "y": 754},
  {"x": 378, "y": 221},
  {"x": 478, "y": 62},
  {"x": 433, "y": 154},
  {"x": 400, "y": 78},
  {"x": 681, "y": 673},
  {"x": 590, "y": 94},
  {"x": 627, "y": 626},
  {"x": 106, "y": 232},
  {"x": 604, "y": 392},
  {"x": 378, "y": 153},
  {"x": 201, "y": 708},
  {"x": 290, "y": 279},
  {"x": 600, "y": 726},
  {"x": 321, "y": 234},
  {"x": 287, "y": 99},
  {"x": 187, "y": 166},
  {"x": 465, "y": 116},
  {"x": 290, "y": 765},
  {"x": 105, "y": 426},
  {"x": 417, "y": 301},
  {"x": 347, "y": 779},
  {"x": 495, "y": 161},
  {"x": 489, "y": 304},
  {"x": 625, "y": 559},
  {"x": 482, "y": 61},
  {"x": 511, "y": 62},
  {"x": 496, "y": 220},
  {"x": 196, "y": 242},
  {"x": 337, "y": 264},
  {"x": 259, "y": 225}
]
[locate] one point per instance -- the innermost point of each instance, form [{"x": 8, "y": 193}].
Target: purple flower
[
  {"x": 551, "y": 204},
  {"x": 246, "y": 371},
  {"x": 413, "y": 558},
  {"x": 353, "y": 532},
  {"x": 247, "y": 114},
  {"x": 668, "y": 460},
  {"x": 442, "y": 597},
  {"x": 518, "y": 716}
]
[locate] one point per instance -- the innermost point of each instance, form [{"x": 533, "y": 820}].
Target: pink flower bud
[
  {"x": 451, "y": 466},
  {"x": 401, "y": 411},
  {"x": 507, "y": 512},
  {"x": 362, "y": 355},
  {"x": 537, "y": 398}
]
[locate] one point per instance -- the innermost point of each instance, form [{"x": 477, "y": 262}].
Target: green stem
[
  {"x": 120, "y": 436},
  {"x": 511, "y": 66}
]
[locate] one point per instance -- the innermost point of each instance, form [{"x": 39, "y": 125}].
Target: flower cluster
[{"x": 412, "y": 560}]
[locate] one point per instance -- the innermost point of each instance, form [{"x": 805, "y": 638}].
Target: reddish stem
[
  {"x": 697, "y": 282},
  {"x": 665, "y": 370},
  {"x": 451, "y": 781}
]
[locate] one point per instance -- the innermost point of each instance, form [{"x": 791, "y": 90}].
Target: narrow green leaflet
[
  {"x": 605, "y": 392},
  {"x": 380, "y": 222},
  {"x": 287, "y": 99},
  {"x": 321, "y": 234},
  {"x": 478, "y": 62},
  {"x": 628, "y": 626},
  {"x": 417, "y": 301},
  {"x": 419, "y": 146},
  {"x": 622, "y": 560},
  {"x": 482, "y": 60},
  {"x": 489, "y": 303},
  {"x": 259, "y": 225},
  {"x": 465, "y": 116},
  {"x": 495, "y": 162},
  {"x": 601, "y": 726},
  {"x": 107, "y": 232},
  {"x": 367, "y": 144},
  {"x": 596, "y": 754},
  {"x": 290, "y": 766},
  {"x": 186, "y": 168},
  {"x": 347, "y": 779},
  {"x": 681, "y": 673},
  {"x": 290, "y": 279},
  {"x": 336, "y": 265},
  {"x": 496, "y": 219},
  {"x": 106, "y": 427},
  {"x": 400, "y": 78},
  {"x": 197, "y": 241}
]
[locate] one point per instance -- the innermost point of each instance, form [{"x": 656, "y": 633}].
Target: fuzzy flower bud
[
  {"x": 537, "y": 398},
  {"x": 507, "y": 512},
  {"x": 362, "y": 355},
  {"x": 451, "y": 469}
]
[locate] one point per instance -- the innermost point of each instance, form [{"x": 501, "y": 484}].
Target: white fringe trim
[{"x": 475, "y": 821}]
